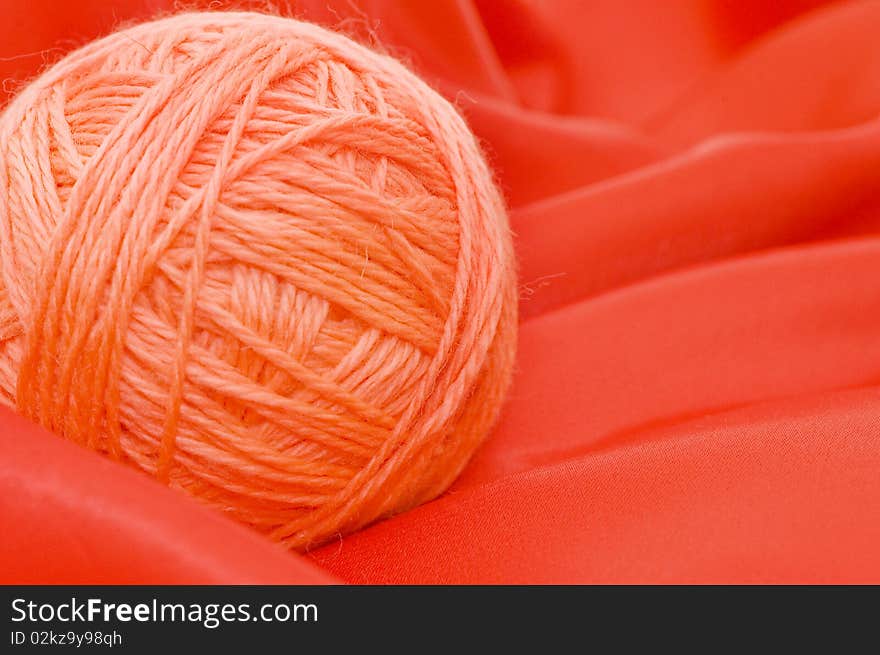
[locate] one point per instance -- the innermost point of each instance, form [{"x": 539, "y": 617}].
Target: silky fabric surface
[{"x": 695, "y": 189}]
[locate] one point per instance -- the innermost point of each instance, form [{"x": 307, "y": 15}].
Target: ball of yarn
[{"x": 258, "y": 261}]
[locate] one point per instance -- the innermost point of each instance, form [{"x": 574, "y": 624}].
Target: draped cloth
[{"x": 694, "y": 187}]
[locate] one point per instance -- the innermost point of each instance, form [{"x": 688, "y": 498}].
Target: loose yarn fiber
[{"x": 258, "y": 261}]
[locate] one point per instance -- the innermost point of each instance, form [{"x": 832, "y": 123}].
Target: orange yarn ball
[{"x": 258, "y": 261}]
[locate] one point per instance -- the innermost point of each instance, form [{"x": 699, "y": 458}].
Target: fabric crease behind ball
[{"x": 258, "y": 261}]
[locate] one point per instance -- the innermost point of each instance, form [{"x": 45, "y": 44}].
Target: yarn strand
[{"x": 259, "y": 262}]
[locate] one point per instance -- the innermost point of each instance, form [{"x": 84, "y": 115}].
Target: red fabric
[
  {"x": 695, "y": 187},
  {"x": 71, "y": 517}
]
